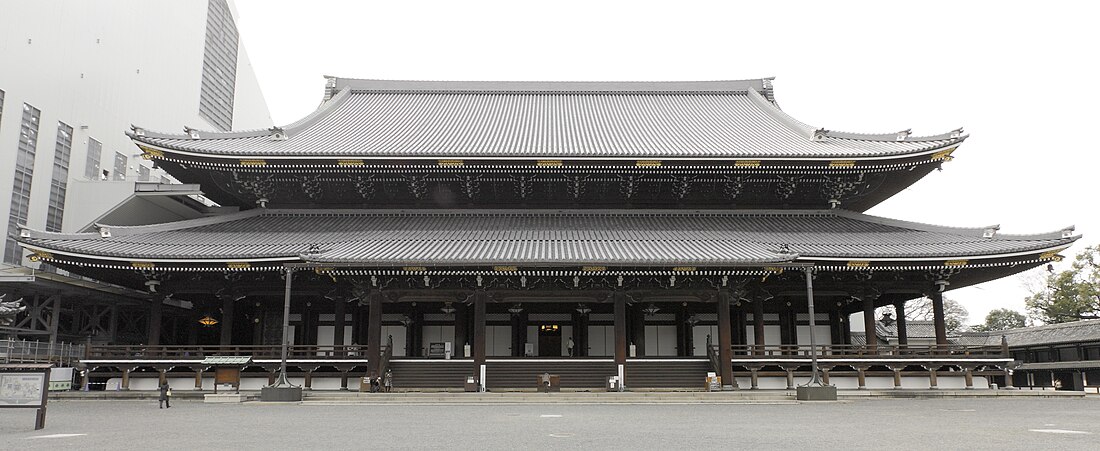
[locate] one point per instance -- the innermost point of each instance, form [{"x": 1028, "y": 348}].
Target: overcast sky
[{"x": 1022, "y": 78}]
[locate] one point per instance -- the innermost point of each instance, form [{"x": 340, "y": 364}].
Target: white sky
[{"x": 1021, "y": 77}]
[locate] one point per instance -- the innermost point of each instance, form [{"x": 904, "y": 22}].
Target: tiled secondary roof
[
  {"x": 551, "y": 237},
  {"x": 1071, "y": 332},
  {"x": 408, "y": 119}
]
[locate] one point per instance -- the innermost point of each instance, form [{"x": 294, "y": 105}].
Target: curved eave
[{"x": 954, "y": 261}]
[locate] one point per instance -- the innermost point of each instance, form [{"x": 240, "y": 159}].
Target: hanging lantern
[{"x": 208, "y": 321}]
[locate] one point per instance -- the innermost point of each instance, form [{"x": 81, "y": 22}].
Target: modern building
[
  {"x": 74, "y": 76},
  {"x": 653, "y": 231}
]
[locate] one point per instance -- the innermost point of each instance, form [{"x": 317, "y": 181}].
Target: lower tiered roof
[{"x": 710, "y": 238}]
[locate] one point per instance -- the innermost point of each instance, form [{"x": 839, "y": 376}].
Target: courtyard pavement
[{"x": 1007, "y": 423}]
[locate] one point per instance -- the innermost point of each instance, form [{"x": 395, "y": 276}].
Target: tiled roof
[
  {"x": 489, "y": 237},
  {"x": 1071, "y": 332},
  {"x": 407, "y": 119}
]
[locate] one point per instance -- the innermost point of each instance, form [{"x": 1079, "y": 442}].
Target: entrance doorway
[{"x": 549, "y": 340}]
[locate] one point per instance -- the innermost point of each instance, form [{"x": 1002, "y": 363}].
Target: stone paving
[{"x": 980, "y": 423}]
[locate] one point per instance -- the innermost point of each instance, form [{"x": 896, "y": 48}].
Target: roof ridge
[{"x": 367, "y": 84}]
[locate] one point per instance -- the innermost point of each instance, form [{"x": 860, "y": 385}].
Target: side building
[{"x": 73, "y": 77}]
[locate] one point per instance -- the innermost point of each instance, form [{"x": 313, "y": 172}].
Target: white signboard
[{"x": 21, "y": 389}]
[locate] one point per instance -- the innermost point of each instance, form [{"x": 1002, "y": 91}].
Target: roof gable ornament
[
  {"x": 278, "y": 134},
  {"x": 1068, "y": 231},
  {"x": 819, "y": 135},
  {"x": 138, "y": 131},
  {"x": 956, "y": 133},
  {"x": 104, "y": 232},
  {"x": 192, "y": 133},
  {"x": 904, "y": 134},
  {"x": 991, "y": 231}
]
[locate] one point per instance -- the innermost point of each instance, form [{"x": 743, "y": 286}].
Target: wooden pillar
[
  {"x": 681, "y": 325},
  {"x": 786, "y": 333},
  {"x": 836, "y": 335},
  {"x": 227, "y": 320},
  {"x": 1008, "y": 378},
  {"x": 899, "y": 313},
  {"x": 343, "y": 380},
  {"x": 825, "y": 374},
  {"x": 112, "y": 324},
  {"x": 339, "y": 321},
  {"x": 938, "y": 317},
  {"x": 162, "y": 377},
  {"x": 725, "y": 338},
  {"x": 518, "y": 323},
  {"x": 861, "y": 377},
  {"x": 620, "y": 326},
  {"x": 637, "y": 330},
  {"x": 968, "y": 376},
  {"x": 581, "y": 349},
  {"x": 198, "y": 379},
  {"x": 156, "y": 308},
  {"x": 754, "y": 378},
  {"x": 309, "y": 380},
  {"x": 740, "y": 326},
  {"x": 55, "y": 317},
  {"x": 932, "y": 378},
  {"x": 480, "y": 298},
  {"x": 125, "y": 379},
  {"x": 790, "y": 378},
  {"x": 897, "y": 378},
  {"x": 258, "y": 324},
  {"x": 758, "y": 325},
  {"x": 869, "y": 323},
  {"x": 461, "y": 336},
  {"x": 374, "y": 333}
]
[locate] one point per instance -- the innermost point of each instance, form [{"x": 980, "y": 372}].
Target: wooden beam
[{"x": 725, "y": 338}]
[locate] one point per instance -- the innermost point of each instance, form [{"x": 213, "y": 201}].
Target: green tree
[
  {"x": 1070, "y": 295},
  {"x": 1002, "y": 319}
]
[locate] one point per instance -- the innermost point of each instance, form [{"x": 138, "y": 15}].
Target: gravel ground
[{"x": 869, "y": 424}]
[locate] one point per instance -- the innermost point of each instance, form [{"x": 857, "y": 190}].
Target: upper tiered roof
[{"x": 388, "y": 119}]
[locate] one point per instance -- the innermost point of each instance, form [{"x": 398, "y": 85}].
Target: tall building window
[
  {"x": 219, "y": 66},
  {"x": 144, "y": 174},
  {"x": 21, "y": 187},
  {"x": 91, "y": 165},
  {"x": 120, "y": 166},
  {"x": 60, "y": 183}
]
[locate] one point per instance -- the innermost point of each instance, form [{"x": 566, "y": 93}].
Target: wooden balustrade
[
  {"x": 859, "y": 351},
  {"x": 335, "y": 352}
]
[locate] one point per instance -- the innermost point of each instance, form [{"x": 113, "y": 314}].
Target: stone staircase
[
  {"x": 431, "y": 374},
  {"x": 687, "y": 374},
  {"x": 523, "y": 373}
]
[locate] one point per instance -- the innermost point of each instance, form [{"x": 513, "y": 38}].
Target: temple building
[{"x": 653, "y": 231}]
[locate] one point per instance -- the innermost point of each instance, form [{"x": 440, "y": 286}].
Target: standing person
[
  {"x": 165, "y": 394},
  {"x": 387, "y": 380},
  {"x": 569, "y": 347}
]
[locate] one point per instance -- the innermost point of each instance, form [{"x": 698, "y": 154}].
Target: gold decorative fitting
[
  {"x": 858, "y": 263},
  {"x": 684, "y": 269},
  {"x": 144, "y": 265},
  {"x": 1051, "y": 255},
  {"x": 548, "y": 163},
  {"x": 450, "y": 162},
  {"x": 148, "y": 153},
  {"x": 842, "y": 164},
  {"x": 322, "y": 270},
  {"x": 505, "y": 268},
  {"x": 208, "y": 321},
  {"x": 253, "y": 163},
  {"x": 414, "y": 268},
  {"x": 944, "y": 155},
  {"x": 774, "y": 269},
  {"x": 594, "y": 268},
  {"x": 648, "y": 163},
  {"x": 238, "y": 265},
  {"x": 349, "y": 162},
  {"x": 955, "y": 263},
  {"x": 746, "y": 164},
  {"x": 43, "y": 255}
]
